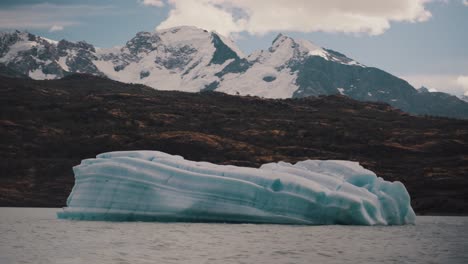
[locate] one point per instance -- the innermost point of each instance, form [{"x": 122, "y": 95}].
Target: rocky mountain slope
[
  {"x": 46, "y": 127},
  {"x": 192, "y": 59}
]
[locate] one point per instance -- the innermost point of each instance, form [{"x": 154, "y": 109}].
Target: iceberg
[{"x": 155, "y": 186}]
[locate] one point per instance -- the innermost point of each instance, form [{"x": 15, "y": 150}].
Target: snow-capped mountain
[
  {"x": 42, "y": 58},
  {"x": 269, "y": 73},
  {"x": 192, "y": 60},
  {"x": 183, "y": 58}
]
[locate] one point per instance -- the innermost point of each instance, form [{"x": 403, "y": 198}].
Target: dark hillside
[{"x": 46, "y": 127}]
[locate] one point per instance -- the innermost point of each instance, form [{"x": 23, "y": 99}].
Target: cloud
[
  {"x": 447, "y": 83},
  {"x": 158, "y": 3},
  {"x": 465, "y": 2},
  {"x": 463, "y": 82},
  {"x": 47, "y": 16},
  {"x": 262, "y": 16},
  {"x": 55, "y": 28},
  {"x": 203, "y": 14}
]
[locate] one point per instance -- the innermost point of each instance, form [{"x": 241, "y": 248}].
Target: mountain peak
[
  {"x": 302, "y": 48},
  {"x": 423, "y": 89},
  {"x": 171, "y": 35},
  {"x": 184, "y": 30},
  {"x": 278, "y": 38},
  {"x": 143, "y": 34},
  {"x": 192, "y": 59},
  {"x": 282, "y": 42},
  {"x": 182, "y": 27},
  {"x": 142, "y": 42},
  {"x": 15, "y": 35}
]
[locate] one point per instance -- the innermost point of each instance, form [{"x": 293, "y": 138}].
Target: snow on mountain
[
  {"x": 42, "y": 58},
  {"x": 464, "y": 98},
  {"x": 270, "y": 74},
  {"x": 29, "y": 54},
  {"x": 423, "y": 89},
  {"x": 14, "y": 43},
  {"x": 181, "y": 58},
  {"x": 192, "y": 60}
]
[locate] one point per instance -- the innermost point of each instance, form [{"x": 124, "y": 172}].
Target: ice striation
[{"x": 155, "y": 186}]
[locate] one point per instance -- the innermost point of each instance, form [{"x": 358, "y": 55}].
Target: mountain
[
  {"x": 184, "y": 58},
  {"x": 464, "y": 98},
  {"x": 47, "y": 127},
  {"x": 192, "y": 60}
]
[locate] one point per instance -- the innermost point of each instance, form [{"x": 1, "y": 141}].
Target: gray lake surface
[{"x": 35, "y": 235}]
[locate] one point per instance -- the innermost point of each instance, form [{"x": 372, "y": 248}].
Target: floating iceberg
[{"x": 155, "y": 186}]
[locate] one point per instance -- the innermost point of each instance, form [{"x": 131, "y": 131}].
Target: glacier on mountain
[{"x": 155, "y": 186}]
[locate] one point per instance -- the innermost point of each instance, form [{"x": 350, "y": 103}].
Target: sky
[{"x": 422, "y": 41}]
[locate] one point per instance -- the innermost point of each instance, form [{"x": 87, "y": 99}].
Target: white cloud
[
  {"x": 262, "y": 16},
  {"x": 55, "y": 28},
  {"x": 452, "y": 84},
  {"x": 465, "y": 2},
  {"x": 203, "y": 14},
  {"x": 47, "y": 16},
  {"x": 463, "y": 82},
  {"x": 158, "y": 3}
]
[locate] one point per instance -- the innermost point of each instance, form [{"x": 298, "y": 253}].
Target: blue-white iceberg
[{"x": 154, "y": 186}]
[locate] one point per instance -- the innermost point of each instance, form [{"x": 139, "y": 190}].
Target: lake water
[{"x": 30, "y": 235}]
